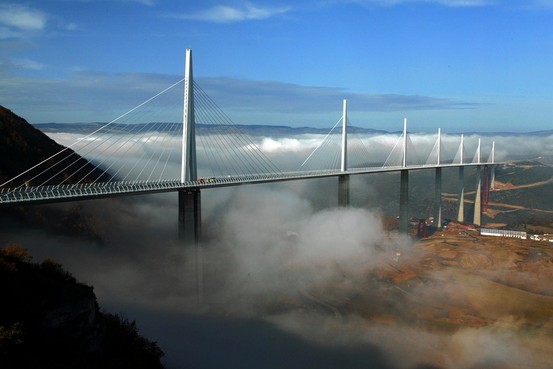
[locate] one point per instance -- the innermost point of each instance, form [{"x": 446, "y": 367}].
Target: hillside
[
  {"x": 49, "y": 320},
  {"x": 22, "y": 146}
]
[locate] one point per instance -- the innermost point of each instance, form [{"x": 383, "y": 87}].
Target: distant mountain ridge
[{"x": 252, "y": 129}]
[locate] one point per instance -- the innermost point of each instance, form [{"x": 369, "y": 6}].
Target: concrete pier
[
  {"x": 477, "y": 219},
  {"x": 190, "y": 216},
  {"x": 190, "y": 232},
  {"x": 438, "y": 199},
  {"x": 343, "y": 190},
  {"x": 461, "y": 196},
  {"x": 404, "y": 202}
]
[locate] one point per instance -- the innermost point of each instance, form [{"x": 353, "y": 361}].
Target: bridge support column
[
  {"x": 343, "y": 190},
  {"x": 478, "y": 198},
  {"x": 438, "y": 199},
  {"x": 190, "y": 222},
  {"x": 404, "y": 202},
  {"x": 461, "y": 196}
]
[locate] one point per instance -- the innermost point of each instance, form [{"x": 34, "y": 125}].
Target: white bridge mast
[
  {"x": 344, "y": 161},
  {"x": 189, "y": 166}
]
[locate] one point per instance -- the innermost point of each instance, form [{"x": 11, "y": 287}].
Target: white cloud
[
  {"x": 90, "y": 96},
  {"x": 545, "y": 3},
  {"x": 460, "y": 3},
  {"x": 83, "y": 96},
  {"x": 71, "y": 26},
  {"x": 145, "y": 2},
  {"x": 18, "y": 17},
  {"x": 452, "y": 3},
  {"x": 464, "y": 2},
  {"x": 272, "y": 145},
  {"x": 229, "y": 14},
  {"x": 26, "y": 64},
  {"x": 22, "y": 22},
  {"x": 270, "y": 96},
  {"x": 19, "y": 21}
]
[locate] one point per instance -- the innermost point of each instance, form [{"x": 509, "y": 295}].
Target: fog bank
[{"x": 280, "y": 271}]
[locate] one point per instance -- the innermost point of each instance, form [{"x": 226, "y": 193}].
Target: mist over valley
[
  {"x": 141, "y": 227},
  {"x": 284, "y": 277}
]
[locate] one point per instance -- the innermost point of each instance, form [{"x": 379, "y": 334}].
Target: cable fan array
[
  {"x": 138, "y": 146},
  {"x": 222, "y": 149}
]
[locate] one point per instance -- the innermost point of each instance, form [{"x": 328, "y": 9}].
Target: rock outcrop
[{"x": 49, "y": 320}]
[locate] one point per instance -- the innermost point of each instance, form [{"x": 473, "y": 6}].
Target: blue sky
[{"x": 462, "y": 65}]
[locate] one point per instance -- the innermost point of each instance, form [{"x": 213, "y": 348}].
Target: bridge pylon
[
  {"x": 477, "y": 217},
  {"x": 190, "y": 199},
  {"x": 344, "y": 158},
  {"x": 492, "y": 167},
  {"x": 189, "y": 164},
  {"x": 438, "y": 187},
  {"x": 343, "y": 179}
]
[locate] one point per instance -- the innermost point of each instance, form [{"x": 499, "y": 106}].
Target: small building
[{"x": 503, "y": 233}]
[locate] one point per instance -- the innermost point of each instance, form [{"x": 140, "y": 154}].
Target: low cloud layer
[
  {"x": 285, "y": 246},
  {"x": 286, "y": 258},
  {"x": 159, "y": 153},
  {"x": 270, "y": 256}
]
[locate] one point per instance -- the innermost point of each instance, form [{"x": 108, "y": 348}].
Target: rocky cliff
[{"x": 49, "y": 320}]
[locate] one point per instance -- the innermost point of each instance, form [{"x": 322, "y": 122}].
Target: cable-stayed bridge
[{"x": 146, "y": 151}]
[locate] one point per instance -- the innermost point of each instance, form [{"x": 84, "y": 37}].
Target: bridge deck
[{"x": 76, "y": 192}]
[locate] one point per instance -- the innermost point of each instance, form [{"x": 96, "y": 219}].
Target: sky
[{"x": 459, "y": 65}]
